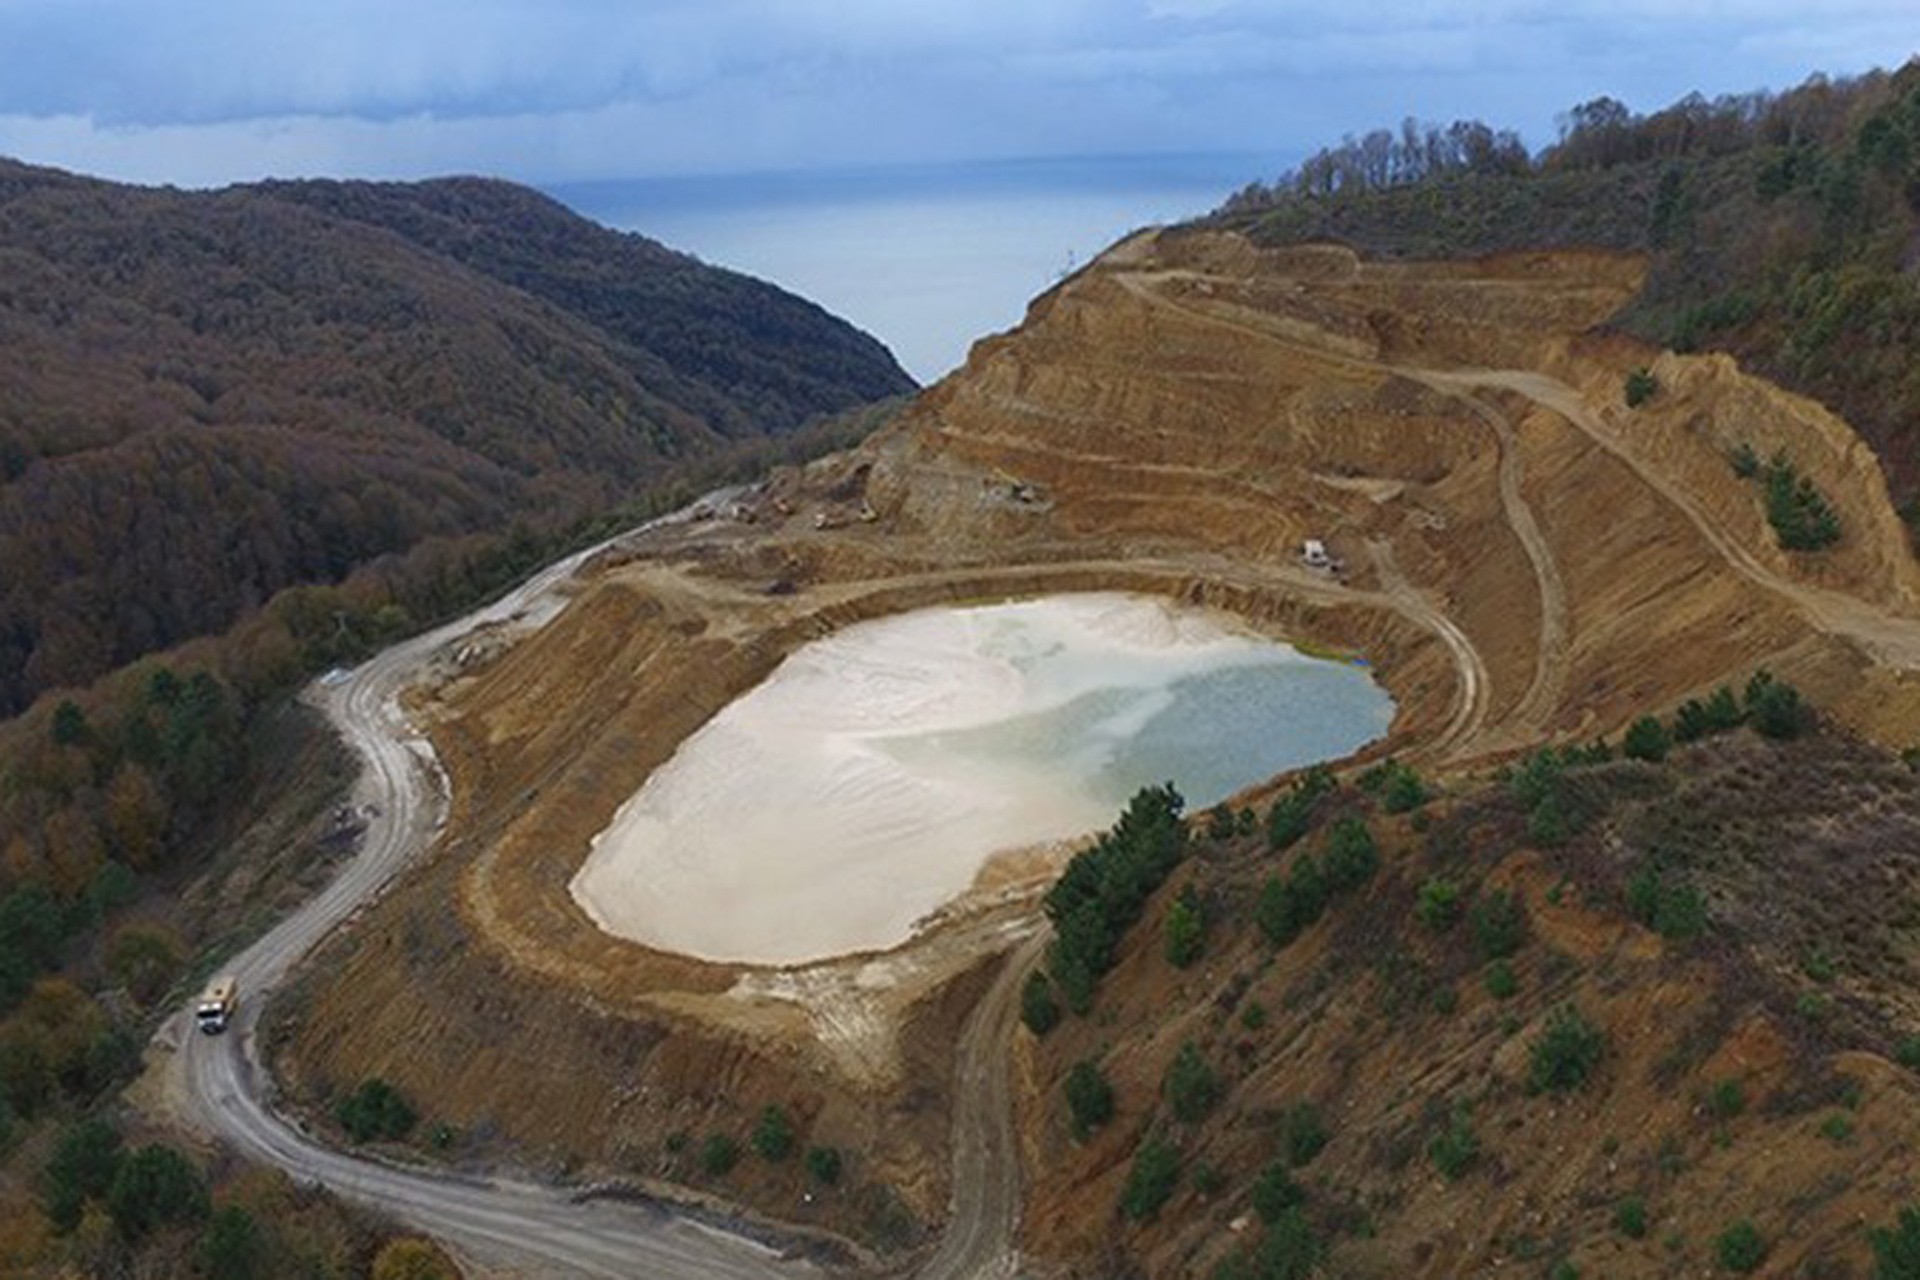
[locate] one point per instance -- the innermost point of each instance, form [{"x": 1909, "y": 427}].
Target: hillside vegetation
[
  {"x": 213, "y": 396},
  {"x": 1584, "y": 1015},
  {"x": 1779, "y": 228}
]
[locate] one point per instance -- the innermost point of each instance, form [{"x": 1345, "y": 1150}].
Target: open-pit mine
[{"x": 614, "y": 946}]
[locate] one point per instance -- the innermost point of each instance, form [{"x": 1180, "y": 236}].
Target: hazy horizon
[{"x": 927, "y": 258}]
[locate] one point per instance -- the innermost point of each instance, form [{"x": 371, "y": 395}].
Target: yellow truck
[{"x": 216, "y": 1005}]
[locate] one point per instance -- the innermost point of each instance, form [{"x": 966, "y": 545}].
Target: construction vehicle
[{"x": 216, "y": 1005}]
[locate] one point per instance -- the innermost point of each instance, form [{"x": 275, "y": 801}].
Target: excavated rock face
[{"x": 1523, "y": 559}]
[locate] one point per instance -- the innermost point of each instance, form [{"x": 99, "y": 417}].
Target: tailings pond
[{"x": 871, "y": 777}]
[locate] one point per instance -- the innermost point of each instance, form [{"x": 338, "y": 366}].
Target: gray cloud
[{"x": 201, "y": 91}]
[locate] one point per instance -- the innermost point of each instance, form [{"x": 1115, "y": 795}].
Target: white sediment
[{"x": 871, "y": 776}]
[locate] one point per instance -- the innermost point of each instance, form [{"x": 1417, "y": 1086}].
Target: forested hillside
[
  {"x": 207, "y": 397},
  {"x": 1784, "y": 229}
]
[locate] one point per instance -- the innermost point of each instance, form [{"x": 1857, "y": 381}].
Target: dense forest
[
  {"x": 208, "y": 397},
  {"x": 1782, "y": 228}
]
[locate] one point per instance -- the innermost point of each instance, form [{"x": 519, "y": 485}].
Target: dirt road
[{"x": 219, "y": 1086}]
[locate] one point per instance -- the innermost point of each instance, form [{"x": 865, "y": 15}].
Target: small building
[{"x": 1313, "y": 554}]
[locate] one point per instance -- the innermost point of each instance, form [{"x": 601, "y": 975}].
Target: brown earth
[{"x": 1526, "y": 561}]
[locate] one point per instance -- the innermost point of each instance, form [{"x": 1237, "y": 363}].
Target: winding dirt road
[{"x": 506, "y": 1227}]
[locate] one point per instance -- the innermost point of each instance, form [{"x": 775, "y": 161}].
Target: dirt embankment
[{"x": 1525, "y": 560}]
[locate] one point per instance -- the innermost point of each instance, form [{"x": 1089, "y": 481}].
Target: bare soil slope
[{"x": 1526, "y": 560}]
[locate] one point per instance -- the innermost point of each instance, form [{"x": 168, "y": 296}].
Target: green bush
[
  {"x": 1775, "y": 707},
  {"x": 1565, "y": 1053},
  {"x": 823, "y": 1165},
  {"x": 1896, "y": 1251},
  {"x": 1089, "y": 1099},
  {"x": 718, "y": 1154},
  {"x": 772, "y": 1135},
  {"x": 1287, "y": 908},
  {"x": 156, "y": 1187},
  {"x": 1186, "y": 930},
  {"x": 1151, "y": 1180},
  {"x": 1726, "y": 1099},
  {"x": 1499, "y": 925},
  {"x": 82, "y": 1167},
  {"x": 1292, "y": 815},
  {"x": 1191, "y": 1086},
  {"x": 1744, "y": 461},
  {"x": 1037, "y": 1007},
  {"x": 1741, "y": 1247},
  {"x": 1800, "y": 515},
  {"x": 1402, "y": 791},
  {"x": 1455, "y": 1148},
  {"x": 1289, "y": 1250},
  {"x": 1630, "y": 1216},
  {"x": 1253, "y": 1016},
  {"x": 1647, "y": 739},
  {"x": 1303, "y": 1133},
  {"x": 1438, "y": 904},
  {"x": 1907, "y": 1052},
  {"x": 1351, "y": 856},
  {"x": 1275, "y": 1192},
  {"x": 1666, "y": 903},
  {"x": 375, "y": 1110},
  {"x": 1641, "y": 387},
  {"x": 232, "y": 1247},
  {"x": 1500, "y": 982}
]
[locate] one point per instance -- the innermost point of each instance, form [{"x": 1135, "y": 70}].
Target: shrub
[
  {"x": 375, "y": 1110},
  {"x": 1801, "y": 517},
  {"x": 1275, "y": 1192},
  {"x": 1287, "y": 908},
  {"x": 1641, "y": 387},
  {"x": 1547, "y": 824},
  {"x": 1455, "y": 1148},
  {"x": 1836, "y": 1128},
  {"x": 1292, "y": 814},
  {"x": 1220, "y": 824},
  {"x": 1647, "y": 739},
  {"x": 1438, "y": 904},
  {"x": 1151, "y": 1180},
  {"x": 1745, "y": 462},
  {"x": 1289, "y": 1250},
  {"x": 772, "y": 1136},
  {"x": 1185, "y": 930},
  {"x": 1037, "y": 1008},
  {"x": 81, "y": 1168},
  {"x": 1896, "y": 1251},
  {"x": 1565, "y": 1053},
  {"x": 1667, "y": 904},
  {"x": 823, "y": 1165},
  {"x": 1741, "y": 1247},
  {"x": 1303, "y": 1133},
  {"x": 1253, "y": 1016},
  {"x": 1191, "y": 1086},
  {"x": 1089, "y": 1099},
  {"x": 232, "y": 1247},
  {"x": 156, "y": 1187},
  {"x": 1499, "y": 925},
  {"x": 1726, "y": 1099},
  {"x": 1775, "y": 707},
  {"x": 1500, "y": 982},
  {"x": 718, "y": 1154},
  {"x": 1403, "y": 790},
  {"x": 1352, "y": 857},
  {"x": 1907, "y": 1052},
  {"x": 1630, "y": 1216}
]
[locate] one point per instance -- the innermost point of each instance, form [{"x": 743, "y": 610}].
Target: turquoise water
[{"x": 1212, "y": 734}]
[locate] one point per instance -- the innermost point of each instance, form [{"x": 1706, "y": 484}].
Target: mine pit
[{"x": 870, "y": 779}]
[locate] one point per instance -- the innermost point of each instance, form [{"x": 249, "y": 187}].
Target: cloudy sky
[{"x": 199, "y": 92}]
